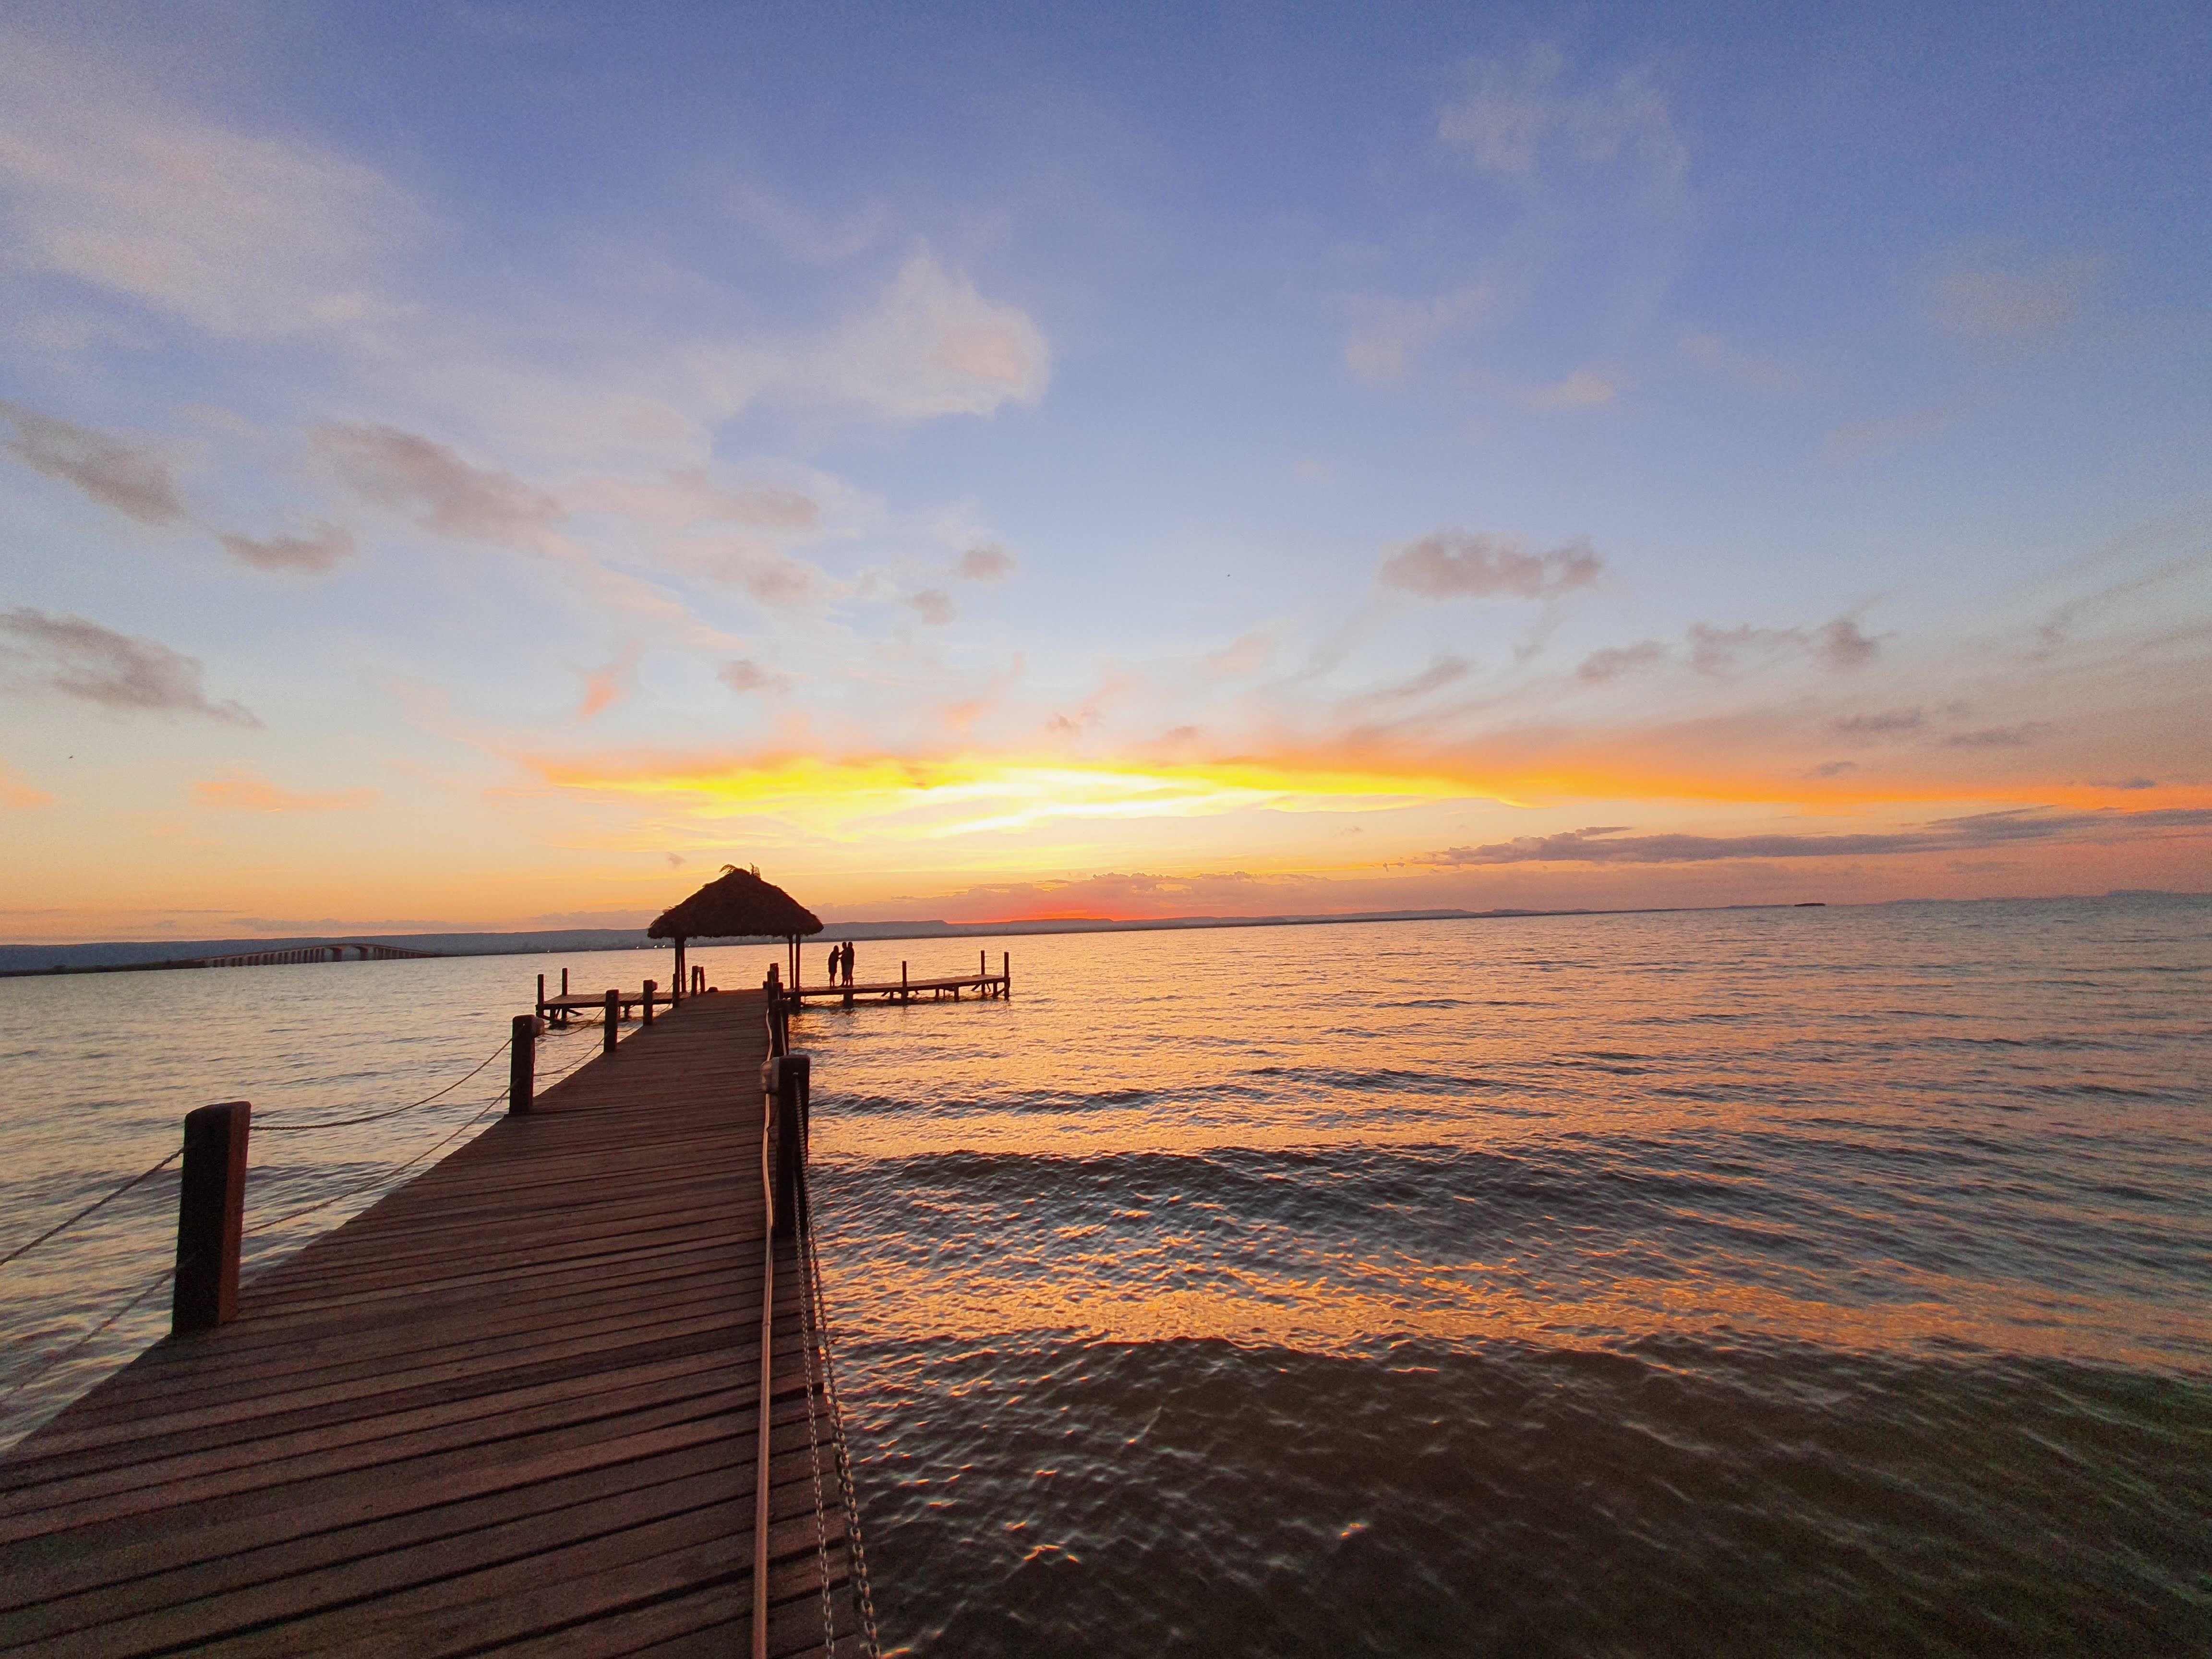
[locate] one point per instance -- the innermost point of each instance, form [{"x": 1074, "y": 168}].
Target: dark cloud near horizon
[
  {"x": 134, "y": 481},
  {"x": 1459, "y": 564},
  {"x": 1881, "y": 725},
  {"x": 2001, "y": 737},
  {"x": 95, "y": 665},
  {"x": 311, "y": 555},
  {"x": 1837, "y": 645},
  {"x": 1615, "y": 660},
  {"x": 433, "y": 486},
  {"x": 1612, "y": 844},
  {"x": 1719, "y": 652}
]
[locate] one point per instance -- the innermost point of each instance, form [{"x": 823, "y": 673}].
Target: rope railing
[
  {"x": 265, "y": 1128},
  {"x": 149, "y": 1173},
  {"x": 106, "y": 1198}
]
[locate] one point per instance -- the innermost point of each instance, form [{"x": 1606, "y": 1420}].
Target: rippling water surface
[{"x": 1822, "y": 1281}]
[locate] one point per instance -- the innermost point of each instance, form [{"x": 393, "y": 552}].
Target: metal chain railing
[
  {"x": 812, "y": 1292},
  {"x": 814, "y": 1462}
]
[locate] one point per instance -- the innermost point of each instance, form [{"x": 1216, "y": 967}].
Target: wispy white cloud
[
  {"x": 930, "y": 345},
  {"x": 810, "y": 238},
  {"x": 132, "y": 478},
  {"x": 742, "y": 675},
  {"x": 247, "y": 790},
  {"x": 1387, "y": 334},
  {"x": 681, "y": 499},
  {"x": 1581, "y": 390},
  {"x": 430, "y": 484},
  {"x": 82, "y": 660},
  {"x": 933, "y": 605},
  {"x": 767, "y": 573},
  {"x": 1613, "y": 661},
  {"x": 1460, "y": 564},
  {"x": 1724, "y": 650},
  {"x": 244, "y": 236},
  {"x": 1514, "y": 119},
  {"x": 605, "y": 687},
  {"x": 17, "y": 795},
  {"x": 310, "y": 555},
  {"x": 986, "y": 561},
  {"x": 2024, "y": 301}
]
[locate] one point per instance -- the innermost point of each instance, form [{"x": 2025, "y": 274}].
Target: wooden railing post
[
  {"x": 648, "y": 1002},
  {"x": 786, "y": 1079},
  {"x": 211, "y": 1217},
  {"x": 903, "y": 990},
  {"x": 522, "y": 1064},
  {"x": 1005, "y": 974},
  {"x": 540, "y": 996},
  {"x": 614, "y": 1019}
]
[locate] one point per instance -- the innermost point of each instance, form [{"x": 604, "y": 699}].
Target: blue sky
[{"x": 477, "y": 465}]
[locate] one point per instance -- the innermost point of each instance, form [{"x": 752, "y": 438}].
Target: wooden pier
[
  {"x": 983, "y": 982},
  {"x": 516, "y": 1406}
]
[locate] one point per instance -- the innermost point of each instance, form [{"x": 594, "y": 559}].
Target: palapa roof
[{"x": 737, "y": 905}]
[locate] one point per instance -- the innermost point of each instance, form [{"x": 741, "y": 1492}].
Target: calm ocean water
[{"x": 1778, "y": 1281}]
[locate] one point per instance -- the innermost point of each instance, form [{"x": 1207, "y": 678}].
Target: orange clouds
[{"x": 245, "y": 791}]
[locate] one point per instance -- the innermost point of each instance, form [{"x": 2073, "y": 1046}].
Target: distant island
[{"x": 20, "y": 961}]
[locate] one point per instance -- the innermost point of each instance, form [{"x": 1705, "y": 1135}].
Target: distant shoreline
[{"x": 151, "y": 956}]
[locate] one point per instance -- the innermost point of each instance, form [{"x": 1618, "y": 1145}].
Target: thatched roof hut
[{"x": 736, "y": 905}]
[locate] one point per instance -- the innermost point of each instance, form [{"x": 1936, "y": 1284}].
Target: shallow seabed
[{"x": 1797, "y": 1281}]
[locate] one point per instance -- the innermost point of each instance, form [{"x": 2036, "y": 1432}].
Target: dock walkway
[{"x": 512, "y": 1407}]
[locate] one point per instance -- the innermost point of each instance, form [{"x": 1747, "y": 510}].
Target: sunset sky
[{"x": 482, "y": 465}]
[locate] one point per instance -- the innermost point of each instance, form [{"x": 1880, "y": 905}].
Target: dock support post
[
  {"x": 522, "y": 1065},
  {"x": 211, "y": 1217},
  {"x": 614, "y": 1019},
  {"x": 540, "y": 996},
  {"x": 683, "y": 982},
  {"x": 648, "y": 1002},
  {"x": 786, "y": 1079},
  {"x": 904, "y": 995},
  {"x": 1006, "y": 974}
]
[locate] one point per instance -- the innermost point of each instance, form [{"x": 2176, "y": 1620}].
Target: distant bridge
[{"x": 365, "y": 951}]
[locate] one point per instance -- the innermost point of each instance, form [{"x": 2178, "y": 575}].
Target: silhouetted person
[
  {"x": 848, "y": 961},
  {"x": 836, "y": 955}
]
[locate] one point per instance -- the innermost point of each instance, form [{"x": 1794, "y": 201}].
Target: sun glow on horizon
[{"x": 968, "y": 795}]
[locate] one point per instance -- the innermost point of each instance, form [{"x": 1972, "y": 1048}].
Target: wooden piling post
[
  {"x": 540, "y": 996},
  {"x": 1005, "y": 974},
  {"x": 522, "y": 1065},
  {"x": 648, "y": 1002},
  {"x": 786, "y": 1080},
  {"x": 211, "y": 1217},
  {"x": 904, "y": 995},
  {"x": 614, "y": 1019}
]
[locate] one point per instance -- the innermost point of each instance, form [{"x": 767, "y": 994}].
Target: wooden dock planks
[{"x": 512, "y": 1407}]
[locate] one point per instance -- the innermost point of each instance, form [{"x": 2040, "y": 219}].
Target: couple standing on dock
[{"x": 841, "y": 959}]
